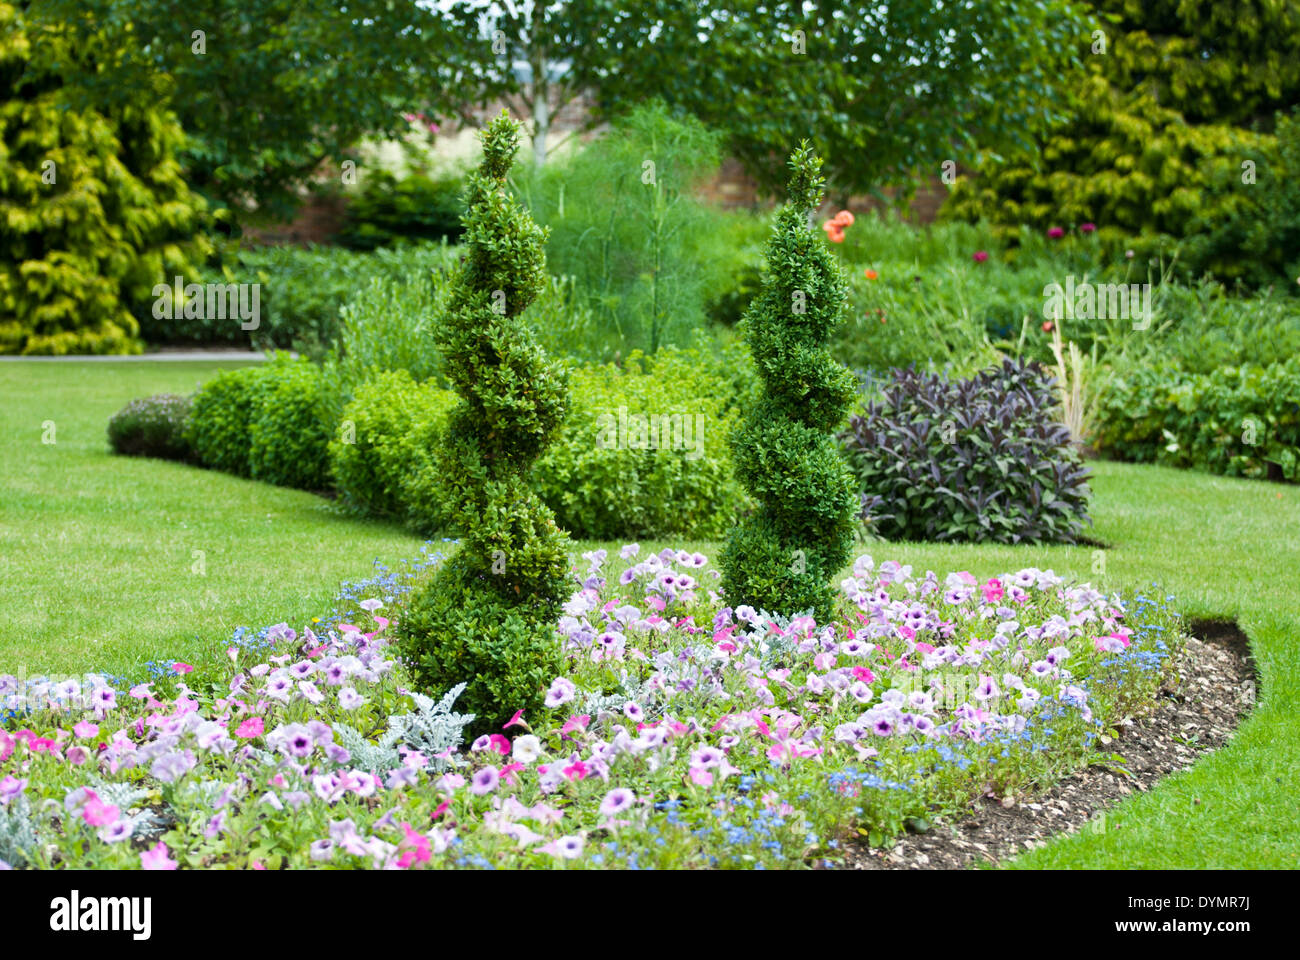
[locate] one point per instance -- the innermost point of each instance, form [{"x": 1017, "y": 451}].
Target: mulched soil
[{"x": 1215, "y": 689}]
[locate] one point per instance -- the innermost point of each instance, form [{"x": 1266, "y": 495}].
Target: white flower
[{"x": 526, "y": 749}]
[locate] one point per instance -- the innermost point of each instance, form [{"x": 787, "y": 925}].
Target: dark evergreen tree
[
  {"x": 782, "y": 557},
  {"x": 488, "y": 616}
]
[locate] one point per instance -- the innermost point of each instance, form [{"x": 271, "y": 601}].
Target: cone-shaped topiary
[
  {"x": 782, "y": 557},
  {"x": 488, "y": 617}
]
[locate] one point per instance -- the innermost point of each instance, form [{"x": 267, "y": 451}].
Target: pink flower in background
[
  {"x": 1056, "y": 233},
  {"x": 516, "y": 721},
  {"x": 85, "y": 729},
  {"x": 6, "y": 746},
  {"x": 158, "y": 858},
  {"x": 576, "y": 722},
  {"x": 980, "y": 256},
  {"x": 993, "y": 591},
  {"x": 97, "y": 813},
  {"x": 1087, "y": 227},
  {"x": 182, "y": 667},
  {"x": 250, "y": 728}
]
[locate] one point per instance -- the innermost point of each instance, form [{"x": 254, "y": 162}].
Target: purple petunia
[
  {"x": 616, "y": 801},
  {"x": 484, "y": 781}
]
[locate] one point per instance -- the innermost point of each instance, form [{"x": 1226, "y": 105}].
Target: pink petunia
[
  {"x": 85, "y": 729},
  {"x": 97, "y": 813},
  {"x": 576, "y": 722},
  {"x": 250, "y": 728},
  {"x": 182, "y": 667},
  {"x": 158, "y": 858}
]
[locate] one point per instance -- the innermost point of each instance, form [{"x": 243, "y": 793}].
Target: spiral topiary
[
  {"x": 488, "y": 616},
  {"x": 782, "y": 557}
]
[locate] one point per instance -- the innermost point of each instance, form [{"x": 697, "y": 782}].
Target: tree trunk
[{"x": 541, "y": 101}]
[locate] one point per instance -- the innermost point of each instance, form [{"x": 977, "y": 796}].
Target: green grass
[
  {"x": 98, "y": 561},
  {"x": 96, "y": 556}
]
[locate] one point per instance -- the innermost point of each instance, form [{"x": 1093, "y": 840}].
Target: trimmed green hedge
[
  {"x": 597, "y": 483},
  {"x": 289, "y": 436},
  {"x": 1239, "y": 421},
  {"x": 382, "y": 451},
  {"x": 221, "y": 420},
  {"x": 267, "y": 422}
]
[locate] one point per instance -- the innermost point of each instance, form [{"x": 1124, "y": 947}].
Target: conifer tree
[
  {"x": 782, "y": 557},
  {"x": 1175, "y": 105},
  {"x": 93, "y": 210},
  {"x": 488, "y": 616}
]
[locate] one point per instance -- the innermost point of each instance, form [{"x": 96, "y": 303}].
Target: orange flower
[
  {"x": 870, "y": 274},
  {"x": 836, "y": 235},
  {"x": 1047, "y": 326},
  {"x": 843, "y": 219}
]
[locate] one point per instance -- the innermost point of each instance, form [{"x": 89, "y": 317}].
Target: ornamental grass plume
[
  {"x": 781, "y": 557},
  {"x": 487, "y": 616}
]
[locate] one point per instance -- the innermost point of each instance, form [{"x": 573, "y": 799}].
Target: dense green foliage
[
  {"x": 386, "y": 211},
  {"x": 892, "y": 90},
  {"x": 624, "y": 225},
  {"x": 1256, "y": 240},
  {"x": 590, "y": 476},
  {"x": 301, "y": 293},
  {"x": 290, "y": 433},
  {"x": 487, "y": 617},
  {"x": 221, "y": 421},
  {"x": 1240, "y": 420},
  {"x": 152, "y": 427},
  {"x": 603, "y": 484},
  {"x": 311, "y": 75},
  {"x": 93, "y": 210},
  {"x": 980, "y": 459},
  {"x": 383, "y": 455},
  {"x": 781, "y": 557},
  {"x": 1162, "y": 130}
]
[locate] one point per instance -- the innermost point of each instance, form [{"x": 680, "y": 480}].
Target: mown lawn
[
  {"x": 100, "y": 554},
  {"x": 96, "y": 558}
]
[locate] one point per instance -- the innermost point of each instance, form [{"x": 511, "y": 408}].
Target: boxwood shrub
[
  {"x": 221, "y": 421},
  {"x": 269, "y": 422},
  {"x": 152, "y": 427},
  {"x": 382, "y": 452},
  {"x": 603, "y": 485},
  {"x": 290, "y": 432},
  {"x": 598, "y": 486},
  {"x": 977, "y": 459},
  {"x": 1241, "y": 421}
]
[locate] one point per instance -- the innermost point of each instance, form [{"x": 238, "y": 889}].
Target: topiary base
[{"x": 459, "y": 627}]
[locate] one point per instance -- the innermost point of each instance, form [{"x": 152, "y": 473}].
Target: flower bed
[{"x": 683, "y": 733}]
